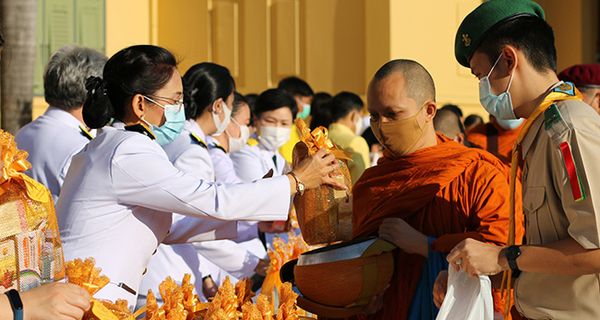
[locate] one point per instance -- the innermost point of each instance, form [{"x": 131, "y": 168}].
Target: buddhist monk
[
  {"x": 428, "y": 192},
  {"x": 448, "y": 123},
  {"x": 497, "y": 137}
]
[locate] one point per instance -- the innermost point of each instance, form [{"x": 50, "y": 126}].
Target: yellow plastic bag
[{"x": 30, "y": 249}]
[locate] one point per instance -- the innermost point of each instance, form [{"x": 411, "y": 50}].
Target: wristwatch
[
  {"x": 16, "y": 304},
  {"x": 300, "y": 187},
  {"x": 512, "y": 253}
]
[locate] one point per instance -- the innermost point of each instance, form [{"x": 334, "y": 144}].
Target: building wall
[{"x": 334, "y": 44}]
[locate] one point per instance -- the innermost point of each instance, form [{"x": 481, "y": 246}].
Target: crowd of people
[{"x": 158, "y": 174}]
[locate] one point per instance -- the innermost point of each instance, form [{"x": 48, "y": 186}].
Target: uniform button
[{"x": 145, "y": 271}]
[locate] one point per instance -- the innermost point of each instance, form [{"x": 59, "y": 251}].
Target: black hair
[
  {"x": 140, "y": 69},
  {"x": 343, "y": 103},
  {"x": 1, "y": 40},
  {"x": 532, "y": 35},
  {"x": 472, "y": 119},
  {"x": 238, "y": 101},
  {"x": 273, "y": 99},
  {"x": 454, "y": 108},
  {"x": 203, "y": 84},
  {"x": 295, "y": 86},
  {"x": 251, "y": 99},
  {"x": 418, "y": 83},
  {"x": 319, "y": 110}
]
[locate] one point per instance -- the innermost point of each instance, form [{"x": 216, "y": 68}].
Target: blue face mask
[
  {"x": 500, "y": 106},
  {"x": 175, "y": 121},
  {"x": 510, "y": 124},
  {"x": 305, "y": 112}
]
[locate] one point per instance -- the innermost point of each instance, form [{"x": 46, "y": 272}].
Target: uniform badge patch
[{"x": 571, "y": 167}]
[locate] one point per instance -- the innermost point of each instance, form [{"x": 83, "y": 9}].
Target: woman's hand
[
  {"x": 62, "y": 301},
  {"x": 316, "y": 171}
]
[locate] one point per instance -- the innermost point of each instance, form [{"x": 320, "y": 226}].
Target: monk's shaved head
[
  {"x": 418, "y": 83},
  {"x": 447, "y": 123}
]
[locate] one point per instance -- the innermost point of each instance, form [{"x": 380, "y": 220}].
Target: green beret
[{"x": 480, "y": 21}]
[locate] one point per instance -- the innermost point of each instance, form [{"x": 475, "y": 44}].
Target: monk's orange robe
[
  {"x": 495, "y": 140},
  {"x": 449, "y": 192}
]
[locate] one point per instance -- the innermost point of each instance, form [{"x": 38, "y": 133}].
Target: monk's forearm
[{"x": 565, "y": 257}]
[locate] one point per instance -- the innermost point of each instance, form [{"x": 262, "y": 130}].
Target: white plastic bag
[{"x": 467, "y": 298}]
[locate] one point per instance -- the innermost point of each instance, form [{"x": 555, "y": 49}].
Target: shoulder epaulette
[
  {"x": 217, "y": 146},
  {"x": 554, "y": 123},
  {"x": 198, "y": 140},
  {"x": 84, "y": 132},
  {"x": 141, "y": 128},
  {"x": 252, "y": 142}
]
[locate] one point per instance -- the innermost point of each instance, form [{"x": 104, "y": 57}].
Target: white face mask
[
  {"x": 358, "y": 126},
  {"x": 500, "y": 106},
  {"x": 236, "y": 144},
  {"x": 510, "y": 124},
  {"x": 272, "y": 138},
  {"x": 221, "y": 125}
]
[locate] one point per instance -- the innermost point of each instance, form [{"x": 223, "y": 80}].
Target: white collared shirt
[
  {"x": 253, "y": 162},
  {"x": 117, "y": 199},
  {"x": 51, "y": 141}
]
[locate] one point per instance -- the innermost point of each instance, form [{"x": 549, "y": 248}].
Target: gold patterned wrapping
[
  {"x": 324, "y": 214},
  {"x": 30, "y": 248},
  {"x": 85, "y": 274}
]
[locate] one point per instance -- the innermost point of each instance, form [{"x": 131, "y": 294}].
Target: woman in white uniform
[
  {"x": 246, "y": 253},
  {"x": 274, "y": 115},
  {"x": 208, "y": 103},
  {"x": 120, "y": 190}
]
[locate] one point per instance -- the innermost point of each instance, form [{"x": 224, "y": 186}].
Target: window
[{"x": 63, "y": 22}]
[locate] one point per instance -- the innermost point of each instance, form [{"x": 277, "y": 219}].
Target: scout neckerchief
[{"x": 560, "y": 92}]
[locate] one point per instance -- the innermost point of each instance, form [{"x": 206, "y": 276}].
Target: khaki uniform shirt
[{"x": 559, "y": 203}]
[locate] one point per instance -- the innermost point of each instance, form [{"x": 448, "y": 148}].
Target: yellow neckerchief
[{"x": 557, "y": 94}]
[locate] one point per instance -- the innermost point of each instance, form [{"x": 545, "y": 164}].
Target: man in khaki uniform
[{"x": 510, "y": 48}]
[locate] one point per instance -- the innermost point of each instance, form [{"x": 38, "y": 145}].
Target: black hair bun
[{"x": 97, "y": 109}]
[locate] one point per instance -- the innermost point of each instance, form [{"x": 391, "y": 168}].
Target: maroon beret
[{"x": 582, "y": 75}]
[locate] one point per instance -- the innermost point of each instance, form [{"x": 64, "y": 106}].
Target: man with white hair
[{"x": 57, "y": 135}]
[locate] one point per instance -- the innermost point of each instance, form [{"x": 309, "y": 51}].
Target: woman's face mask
[
  {"x": 272, "y": 138},
  {"x": 175, "y": 121},
  {"x": 221, "y": 125},
  {"x": 236, "y": 144}
]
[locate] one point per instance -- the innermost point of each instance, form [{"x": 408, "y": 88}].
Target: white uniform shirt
[
  {"x": 117, "y": 199},
  {"x": 51, "y": 141},
  {"x": 252, "y": 163},
  {"x": 189, "y": 154},
  {"x": 237, "y": 257}
]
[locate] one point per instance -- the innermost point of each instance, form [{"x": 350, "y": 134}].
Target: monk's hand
[
  {"x": 376, "y": 303},
  {"x": 477, "y": 258},
  {"x": 405, "y": 237},
  {"x": 317, "y": 170},
  {"x": 439, "y": 288}
]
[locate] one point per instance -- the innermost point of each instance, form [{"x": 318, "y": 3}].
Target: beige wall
[
  {"x": 334, "y": 44},
  {"x": 575, "y": 24},
  {"x": 427, "y": 36}
]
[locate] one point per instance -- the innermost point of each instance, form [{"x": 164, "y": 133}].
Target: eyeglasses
[{"x": 177, "y": 105}]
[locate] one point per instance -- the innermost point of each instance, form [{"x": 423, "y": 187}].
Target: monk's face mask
[{"x": 399, "y": 136}]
